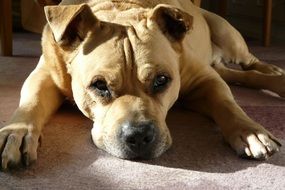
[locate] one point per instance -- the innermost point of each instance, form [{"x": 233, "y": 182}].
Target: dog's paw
[
  {"x": 254, "y": 144},
  {"x": 18, "y": 143},
  {"x": 266, "y": 68},
  {"x": 276, "y": 77}
]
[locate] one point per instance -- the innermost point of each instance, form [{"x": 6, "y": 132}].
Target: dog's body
[{"x": 125, "y": 68}]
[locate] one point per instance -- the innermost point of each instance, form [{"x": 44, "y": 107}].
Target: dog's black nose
[{"x": 138, "y": 137}]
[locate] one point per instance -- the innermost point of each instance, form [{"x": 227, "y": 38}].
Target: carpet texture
[{"x": 198, "y": 159}]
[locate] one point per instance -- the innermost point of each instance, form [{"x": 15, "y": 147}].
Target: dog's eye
[
  {"x": 160, "y": 82},
  {"x": 101, "y": 87}
]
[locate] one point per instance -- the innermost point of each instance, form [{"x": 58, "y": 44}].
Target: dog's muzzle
[{"x": 139, "y": 139}]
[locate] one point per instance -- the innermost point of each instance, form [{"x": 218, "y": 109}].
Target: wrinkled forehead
[
  {"x": 137, "y": 50},
  {"x": 152, "y": 52},
  {"x": 105, "y": 58}
]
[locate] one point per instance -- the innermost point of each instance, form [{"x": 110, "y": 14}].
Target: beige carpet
[{"x": 198, "y": 158}]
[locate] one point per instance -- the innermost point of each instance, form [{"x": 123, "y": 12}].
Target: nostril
[
  {"x": 148, "y": 139},
  {"x": 131, "y": 140}
]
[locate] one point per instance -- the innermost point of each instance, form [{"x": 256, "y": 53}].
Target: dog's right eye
[{"x": 101, "y": 88}]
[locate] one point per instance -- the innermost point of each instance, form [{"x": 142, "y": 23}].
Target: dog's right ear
[
  {"x": 70, "y": 23},
  {"x": 173, "y": 22}
]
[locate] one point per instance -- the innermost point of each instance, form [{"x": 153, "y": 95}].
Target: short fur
[{"x": 127, "y": 44}]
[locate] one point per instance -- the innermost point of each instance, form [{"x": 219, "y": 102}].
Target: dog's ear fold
[
  {"x": 173, "y": 22},
  {"x": 70, "y": 23}
]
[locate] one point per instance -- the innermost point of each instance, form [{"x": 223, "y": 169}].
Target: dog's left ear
[{"x": 173, "y": 22}]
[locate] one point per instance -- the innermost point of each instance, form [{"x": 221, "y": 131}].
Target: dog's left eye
[
  {"x": 160, "y": 82},
  {"x": 101, "y": 87}
]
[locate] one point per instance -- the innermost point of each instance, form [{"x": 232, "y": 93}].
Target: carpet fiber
[{"x": 198, "y": 159}]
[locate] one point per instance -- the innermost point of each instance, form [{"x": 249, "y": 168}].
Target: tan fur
[{"x": 127, "y": 43}]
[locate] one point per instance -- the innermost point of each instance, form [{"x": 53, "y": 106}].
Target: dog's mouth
[
  {"x": 156, "y": 150},
  {"x": 137, "y": 156},
  {"x": 139, "y": 141}
]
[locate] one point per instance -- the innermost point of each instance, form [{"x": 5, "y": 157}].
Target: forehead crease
[
  {"x": 135, "y": 53},
  {"x": 149, "y": 59},
  {"x": 146, "y": 48},
  {"x": 128, "y": 53}
]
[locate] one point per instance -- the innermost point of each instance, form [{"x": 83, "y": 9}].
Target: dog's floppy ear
[
  {"x": 70, "y": 23},
  {"x": 173, "y": 22}
]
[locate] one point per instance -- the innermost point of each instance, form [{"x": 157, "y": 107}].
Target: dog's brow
[{"x": 149, "y": 70}]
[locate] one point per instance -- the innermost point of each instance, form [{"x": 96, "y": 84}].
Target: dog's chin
[{"x": 127, "y": 154}]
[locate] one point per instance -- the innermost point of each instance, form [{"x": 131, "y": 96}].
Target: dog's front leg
[
  {"x": 248, "y": 138},
  {"x": 39, "y": 99}
]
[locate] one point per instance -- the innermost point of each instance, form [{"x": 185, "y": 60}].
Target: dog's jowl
[{"x": 125, "y": 63}]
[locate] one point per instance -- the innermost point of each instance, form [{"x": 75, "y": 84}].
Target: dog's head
[{"x": 124, "y": 77}]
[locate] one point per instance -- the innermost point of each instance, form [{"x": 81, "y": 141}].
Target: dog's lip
[
  {"x": 142, "y": 155},
  {"x": 130, "y": 155}
]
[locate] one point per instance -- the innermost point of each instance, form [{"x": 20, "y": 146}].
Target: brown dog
[{"x": 124, "y": 63}]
